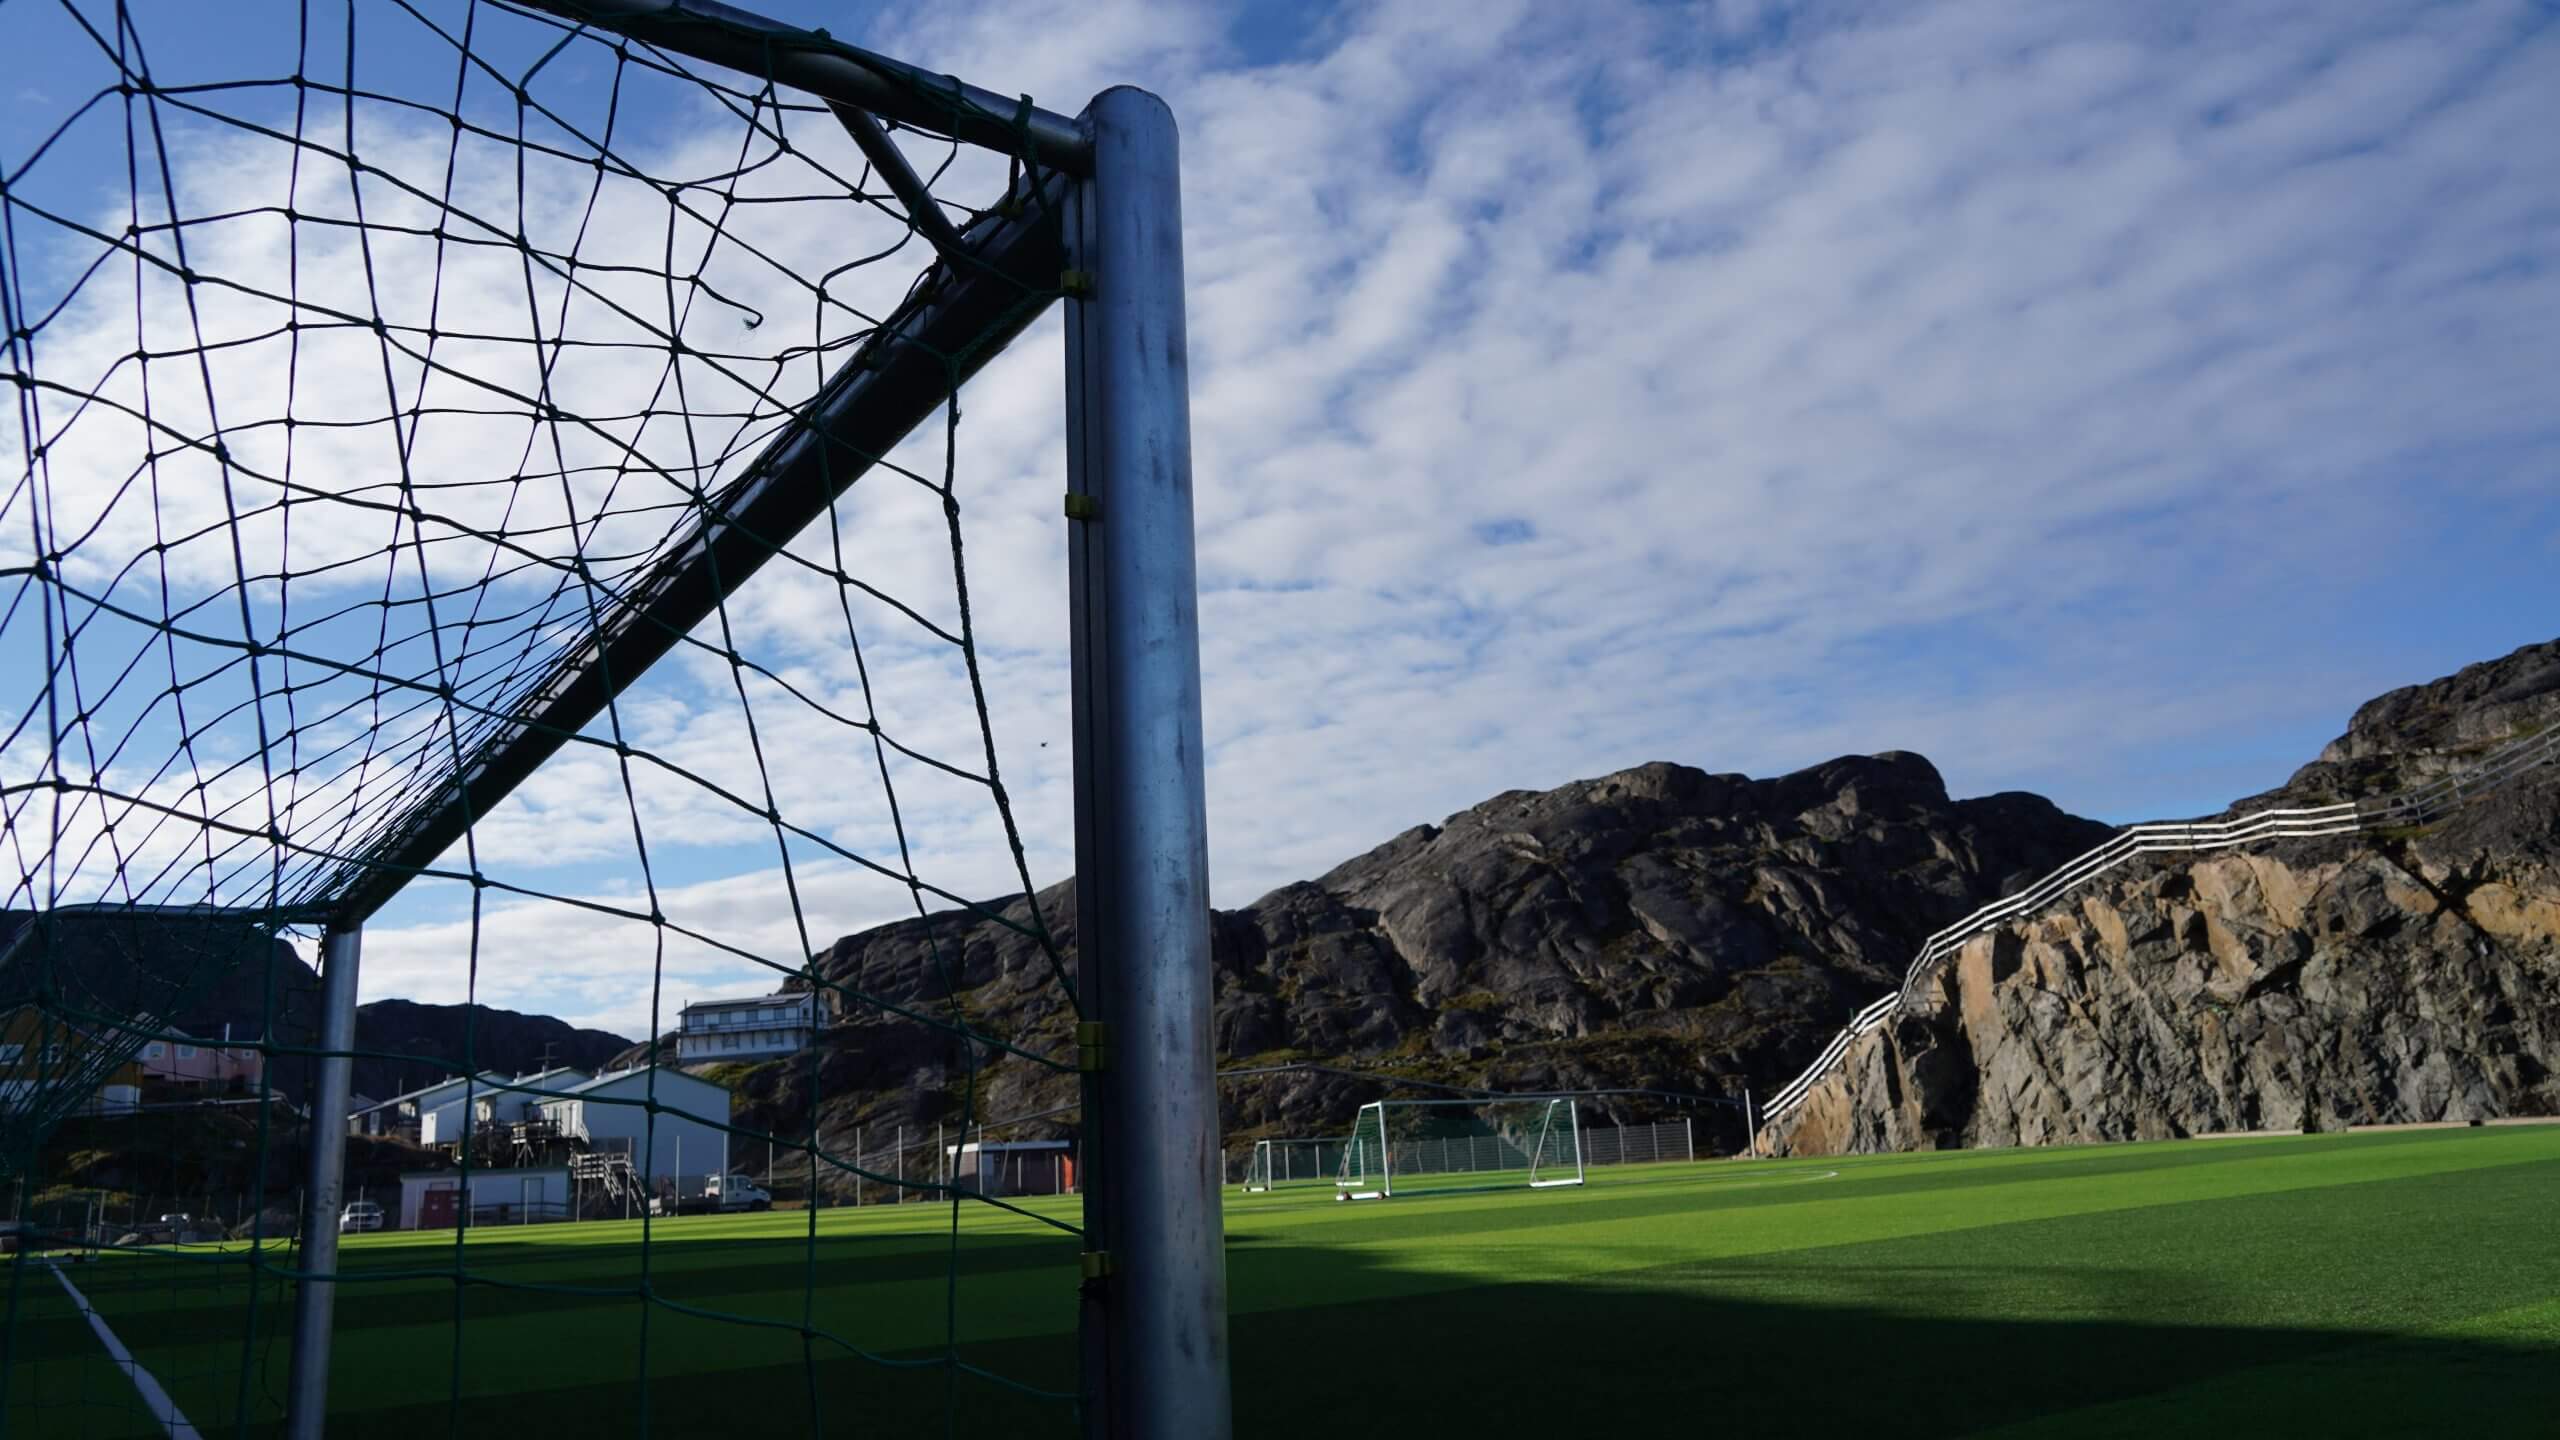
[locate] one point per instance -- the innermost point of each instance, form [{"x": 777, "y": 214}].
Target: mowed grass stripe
[
  {"x": 2123, "y": 1271},
  {"x": 694, "y": 1259},
  {"x": 1458, "y": 1242},
  {"x": 1943, "y": 1334}
]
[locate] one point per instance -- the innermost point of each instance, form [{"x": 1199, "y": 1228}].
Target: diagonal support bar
[
  {"x": 891, "y": 163},
  {"x": 961, "y": 317}
]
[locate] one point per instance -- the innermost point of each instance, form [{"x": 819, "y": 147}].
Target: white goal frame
[
  {"x": 1259, "y": 1172},
  {"x": 1353, "y": 1177}
]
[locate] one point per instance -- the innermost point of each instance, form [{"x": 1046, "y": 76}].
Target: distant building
[
  {"x": 686, "y": 1140},
  {"x": 1013, "y": 1167},
  {"x": 522, "y": 1101},
  {"x": 174, "y": 1056},
  {"x": 756, "y": 1028},
  {"x": 37, "y": 1049},
  {"x": 433, "y": 1199},
  {"x": 428, "y": 1115}
]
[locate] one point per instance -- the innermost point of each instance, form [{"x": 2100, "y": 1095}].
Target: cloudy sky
[{"x": 2099, "y": 399}]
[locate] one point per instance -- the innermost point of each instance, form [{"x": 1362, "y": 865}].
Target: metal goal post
[{"x": 1093, "y": 217}]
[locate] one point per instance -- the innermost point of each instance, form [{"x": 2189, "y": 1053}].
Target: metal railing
[{"x": 2416, "y": 807}]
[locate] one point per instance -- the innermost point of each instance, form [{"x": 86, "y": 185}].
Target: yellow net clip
[
  {"x": 1093, "y": 1047},
  {"x": 1097, "y": 1263},
  {"x": 1078, "y": 283},
  {"x": 1083, "y": 507}
]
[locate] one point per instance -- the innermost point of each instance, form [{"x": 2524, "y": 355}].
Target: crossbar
[{"x": 816, "y": 62}]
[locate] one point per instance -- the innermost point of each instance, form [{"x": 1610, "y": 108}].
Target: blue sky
[{"x": 2100, "y": 400}]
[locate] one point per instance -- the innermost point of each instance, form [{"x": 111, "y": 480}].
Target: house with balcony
[
  {"x": 760, "y": 1027},
  {"x": 175, "y": 1056},
  {"x": 40, "y": 1051}
]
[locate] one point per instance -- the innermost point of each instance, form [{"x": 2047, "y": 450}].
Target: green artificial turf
[{"x": 2383, "y": 1283}]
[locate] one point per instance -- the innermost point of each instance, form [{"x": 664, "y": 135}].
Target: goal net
[
  {"x": 566, "y": 493},
  {"x": 1279, "y": 1164},
  {"x": 1405, "y": 1147}
]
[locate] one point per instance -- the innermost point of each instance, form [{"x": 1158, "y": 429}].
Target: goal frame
[
  {"x": 1093, "y": 220},
  {"x": 1347, "y": 1187},
  {"x": 1260, "y": 1162}
]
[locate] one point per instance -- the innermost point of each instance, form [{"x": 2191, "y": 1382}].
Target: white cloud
[{"x": 2059, "y": 390}]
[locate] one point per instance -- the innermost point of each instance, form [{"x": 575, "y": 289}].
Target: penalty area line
[{"x": 156, "y": 1400}]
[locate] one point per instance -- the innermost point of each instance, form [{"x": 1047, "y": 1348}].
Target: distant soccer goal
[
  {"x": 1277, "y": 1164},
  {"x": 1406, "y": 1147}
]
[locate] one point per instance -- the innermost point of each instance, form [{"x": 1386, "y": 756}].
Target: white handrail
[{"x": 2417, "y": 807}]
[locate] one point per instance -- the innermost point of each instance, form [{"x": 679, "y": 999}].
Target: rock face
[
  {"x": 1660, "y": 928},
  {"x": 502, "y": 1040},
  {"x": 2387, "y": 977}
]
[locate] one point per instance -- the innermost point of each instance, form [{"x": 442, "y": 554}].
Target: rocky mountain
[
  {"x": 1668, "y": 929},
  {"x": 2401, "y": 975},
  {"x": 217, "y": 980},
  {"x": 436, "y": 1035},
  {"x": 1660, "y": 928}
]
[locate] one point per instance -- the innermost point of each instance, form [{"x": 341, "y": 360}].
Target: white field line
[
  {"x": 154, "y": 1399},
  {"x": 2171, "y": 837}
]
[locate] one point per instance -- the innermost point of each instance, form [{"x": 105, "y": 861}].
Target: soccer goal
[
  {"x": 566, "y": 505},
  {"x": 1277, "y": 1164},
  {"x": 1405, "y": 1147}
]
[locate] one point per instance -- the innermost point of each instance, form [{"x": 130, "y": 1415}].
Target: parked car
[{"x": 359, "y": 1217}]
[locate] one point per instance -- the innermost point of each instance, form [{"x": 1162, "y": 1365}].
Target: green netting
[{"x": 380, "y": 367}]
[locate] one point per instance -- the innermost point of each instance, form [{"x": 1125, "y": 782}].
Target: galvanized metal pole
[
  {"x": 307, "y": 1391},
  {"x": 1154, "y": 1308}
]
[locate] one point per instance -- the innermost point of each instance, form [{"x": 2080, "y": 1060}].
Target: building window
[
  {"x": 154, "y": 1050},
  {"x": 186, "y": 1052},
  {"x": 10, "y": 1053}
]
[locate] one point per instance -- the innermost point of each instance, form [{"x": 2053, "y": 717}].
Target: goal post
[
  {"x": 1407, "y": 1147},
  {"x": 573, "y": 389}
]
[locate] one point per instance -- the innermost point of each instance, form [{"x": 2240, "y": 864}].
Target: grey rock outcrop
[
  {"x": 2378, "y": 978},
  {"x": 1660, "y": 928}
]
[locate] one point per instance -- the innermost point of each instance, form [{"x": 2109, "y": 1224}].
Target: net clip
[
  {"x": 1093, "y": 1047},
  {"x": 1096, "y": 1265},
  {"x": 1083, "y": 507},
  {"x": 1077, "y": 284}
]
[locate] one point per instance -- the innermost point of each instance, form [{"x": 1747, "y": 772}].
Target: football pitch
[{"x": 2379, "y": 1283}]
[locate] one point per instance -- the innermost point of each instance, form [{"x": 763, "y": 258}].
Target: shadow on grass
[
  {"x": 1672, "y": 1351},
  {"x": 1814, "y": 1344}
]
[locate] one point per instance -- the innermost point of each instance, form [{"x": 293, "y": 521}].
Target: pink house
[{"x": 174, "y": 1058}]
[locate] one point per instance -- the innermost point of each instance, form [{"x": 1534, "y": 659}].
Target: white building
[
  {"x": 436, "y": 1110},
  {"x": 756, "y": 1028},
  {"x": 517, "y": 1103},
  {"x": 687, "y": 1141},
  {"x": 433, "y": 1199}
]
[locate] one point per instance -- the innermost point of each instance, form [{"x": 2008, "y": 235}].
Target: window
[
  {"x": 53, "y": 1053},
  {"x": 186, "y": 1052},
  {"x": 154, "y": 1050},
  {"x": 10, "y": 1053}
]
